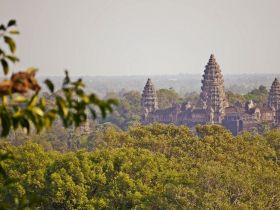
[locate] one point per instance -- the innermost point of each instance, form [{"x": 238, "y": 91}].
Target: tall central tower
[
  {"x": 149, "y": 101},
  {"x": 212, "y": 96},
  {"x": 274, "y": 95},
  {"x": 274, "y": 99}
]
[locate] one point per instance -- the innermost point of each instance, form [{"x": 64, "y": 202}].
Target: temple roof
[
  {"x": 149, "y": 100},
  {"x": 212, "y": 67},
  {"x": 149, "y": 86},
  {"x": 212, "y": 90},
  {"x": 274, "y": 94},
  {"x": 233, "y": 110},
  {"x": 275, "y": 83},
  {"x": 212, "y": 60}
]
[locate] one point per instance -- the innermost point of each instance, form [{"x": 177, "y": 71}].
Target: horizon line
[{"x": 157, "y": 75}]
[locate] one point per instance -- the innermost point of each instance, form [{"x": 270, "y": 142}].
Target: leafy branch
[{"x": 17, "y": 109}]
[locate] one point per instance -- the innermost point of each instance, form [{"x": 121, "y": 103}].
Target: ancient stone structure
[
  {"x": 212, "y": 96},
  {"x": 274, "y": 99},
  {"x": 212, "y": 107},
  {"x": 149, "y": 101},
  {"x": 241, "y": 118}
]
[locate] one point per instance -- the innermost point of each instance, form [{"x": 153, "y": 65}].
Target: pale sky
[{"x": 146, "y": 37}]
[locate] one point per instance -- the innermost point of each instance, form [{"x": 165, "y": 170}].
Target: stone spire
[
  {"x": 212, "y": 95},
  {"x": 149, "y": 100},
  {"x": 274, "y": 95},
  {"x": 274, "y": 100}
]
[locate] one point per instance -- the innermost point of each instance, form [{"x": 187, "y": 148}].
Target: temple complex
[{"x": 212, "y": 106}]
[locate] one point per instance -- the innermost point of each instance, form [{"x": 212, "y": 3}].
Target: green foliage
[
  {"x": 258, "y": 95},
  {"x": 20, "y": 111},
  {"x": 234, "y": 97},
  {"x": 21, "y": 106},
  {"x": 150, "y": 167},
  {"x": 7, "y": 56},
  {"x": 191, "y": 97},
  {"x": 128, "y": 111},
  {"x": 273, "y": 139},
  {"x": 167, "y": 97}
]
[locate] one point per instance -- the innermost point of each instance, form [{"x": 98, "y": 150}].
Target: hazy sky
[{"x": 132, "y": 37}]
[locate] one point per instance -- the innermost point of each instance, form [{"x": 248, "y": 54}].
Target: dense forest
[{"x": 146, "y": 167}]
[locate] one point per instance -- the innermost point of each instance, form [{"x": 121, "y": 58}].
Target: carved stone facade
[
  {"x": 149, "y": 101},
  {"x": 212, "y": 107},
  {"x": 274, "y": 99},
  {"x": 212, "y": 96}
]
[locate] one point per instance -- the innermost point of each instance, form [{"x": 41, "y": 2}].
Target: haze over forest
[
  {"x": 151, "y": 37},
  {"x": 182, "y": 83}
]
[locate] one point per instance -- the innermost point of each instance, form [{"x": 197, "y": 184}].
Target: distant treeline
[{"x": 182, "y": 83}]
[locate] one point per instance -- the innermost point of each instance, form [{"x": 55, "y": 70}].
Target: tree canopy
[
  {"x": 149, "y": 167},
  {"x": 167, "y": 97}
]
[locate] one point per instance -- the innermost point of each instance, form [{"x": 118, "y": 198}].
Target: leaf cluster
[
  {"x": 7, "y": 53},
  {"x": 20, "y": 110}
]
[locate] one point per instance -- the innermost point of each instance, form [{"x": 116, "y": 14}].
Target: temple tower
[
  {"x": 274, "y": 99},
  {"x": 149, "y": 100},
  {"x": 274, "y": 94},
  {"x": 212, "y": 95}
]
